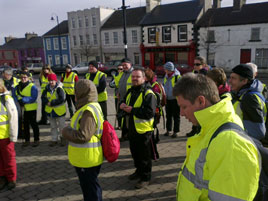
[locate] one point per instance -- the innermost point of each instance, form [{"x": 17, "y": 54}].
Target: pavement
[{"x": 44, "y": 172}]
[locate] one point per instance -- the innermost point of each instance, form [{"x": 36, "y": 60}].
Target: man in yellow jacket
[{"x": 229, "y": 168}]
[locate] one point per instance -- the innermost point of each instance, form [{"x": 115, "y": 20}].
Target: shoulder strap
[
  {"x": 3, "y": 99},
  {"x": 257, "y": 93}
]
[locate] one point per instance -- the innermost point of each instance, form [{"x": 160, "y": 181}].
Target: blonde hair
[{"x": 42, "y": 71}]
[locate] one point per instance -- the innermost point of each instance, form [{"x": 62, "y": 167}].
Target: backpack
[
  {"x": 262, "y": 193},
  {"x": 163, "y": 99},
  {"x": 110, "y": 142}
]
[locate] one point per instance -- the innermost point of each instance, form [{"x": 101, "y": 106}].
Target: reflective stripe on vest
[
  {"x": 4, "y": 122},
  {"x": 58, "y": 109},
  {"x": 103, "y": 96},
  {"x": 87, "y": 154},
  {"x": 142, "y": 125},
  {"x": 129, "y": 82},
  {"x": 68, "y": 83},
  {"x": 44, "y": 83},
  {"x": 27, "y": 92},
  {"x": 198, "y": 180}
]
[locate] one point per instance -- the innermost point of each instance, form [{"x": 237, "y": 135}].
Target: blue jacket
[
  {"x": 168, "y": 86},
  {"x": 28, "y": 99},
  {"x": 252, "y": 110}
]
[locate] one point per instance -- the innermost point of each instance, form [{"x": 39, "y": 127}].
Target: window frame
[
  {"x": 48, "y": 43},
  {"x": 164, "y": 34},
  {"x": 64, "y": 43},
  {"x": 134, "y": 38},
  {"x": 180, "y": 33},
  {"x": 56, "y": 43},
  {"x": 151, "y": 34},
  {"x": 257, "y": 32},
  {"x": 106, "y": 38}
]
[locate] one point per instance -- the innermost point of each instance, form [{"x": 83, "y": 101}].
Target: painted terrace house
[
  {"x": 167, "y": 32},
  {"x": 238, "y": 37},
  {"x": 18, "y": 52}
]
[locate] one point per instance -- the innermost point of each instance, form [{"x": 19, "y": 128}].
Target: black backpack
[{"x": 262, "y": 193}]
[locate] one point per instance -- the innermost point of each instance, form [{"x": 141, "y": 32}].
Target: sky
[{"x": 20, "y": 16}]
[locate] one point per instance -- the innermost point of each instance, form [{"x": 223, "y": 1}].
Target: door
[{"x": 245, "y": 56}]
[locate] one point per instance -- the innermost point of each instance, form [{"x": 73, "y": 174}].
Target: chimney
[
  {"x": 238, "y": 4},
  {"x": 151, "y": 4},
  {"x": 217, "y": 3},
  {"x": 8, "y": 38},
  {"x": 28, "y": 36},
  {"x": 206, "y": 4}
]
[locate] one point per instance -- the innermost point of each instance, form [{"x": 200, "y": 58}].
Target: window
[
  {"x": 74, "y": 40},
  {"x": 261, "y": 58},
  {"x": 63, "y": 43},
  {"x": 211, "y": 59},
  {"x": 210, "y": 36},
  {"x": 73, "y": 23},
  {"x": 115, "y": 36},
  {"x": 79, "y": 22},
  {"x": 75, "y": 59},
  {"x": 255, "y": 34},
  {"x": 95, "y": 41},
  {"x": 87, "y": 39},
  {"x": 106, "y": 38},
  {"x": 86, "y": 21},
  {"x": 182, "y": 57},
  {"x": 81, "y": 40},
  {"x": 151, "y": 35},
  {"x": 65, "y": 59},
  {"x": 48, "y": 44},
  {"x": 182, "y": 33},
  {"x": 93, "y": 20},
  {"x": 50, "y": 60},
  {"x": 136, "y": 58},
  {"x": 166, "y": 34},
  {"x": 57, "y": 59},
  {"x": 134, "y": 36},
  {"x": 56, "y": 43}
]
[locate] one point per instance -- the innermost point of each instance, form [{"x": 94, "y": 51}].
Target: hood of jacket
[
  {"x": 255, "y": 86},
  {"x": 85, "y": 92}
]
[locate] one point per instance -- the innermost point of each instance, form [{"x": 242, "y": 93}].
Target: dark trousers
[
  {"x": 43, "y": 112},
  {"x": 29, "y": 118},
  {"x": 88, "y": 178},
  {"x": 103, "y": 105},
  {"x": 116, "y": 111},
  {"x": 70, "y": 99},
  {"x": 173, "y": 113},
  {"x": 140, "y": 148}
]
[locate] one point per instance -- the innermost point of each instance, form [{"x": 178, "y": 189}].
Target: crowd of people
[{"x": 205, "y": 97}]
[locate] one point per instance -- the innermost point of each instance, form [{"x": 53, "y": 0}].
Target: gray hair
[
  {"x": 8, "y": 70},
  {"x": 254, "y": 68}
]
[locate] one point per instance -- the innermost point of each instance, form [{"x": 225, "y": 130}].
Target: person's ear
[{"x": 201, "y": 101}]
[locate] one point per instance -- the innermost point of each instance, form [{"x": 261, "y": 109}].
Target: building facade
[
  {"x": 236, "y": 38},
  {"x": 85, "y": 35},
  {"x": 57, "y": 45}
]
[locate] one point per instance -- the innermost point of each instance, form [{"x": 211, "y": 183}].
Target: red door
[{"x": 245, "y": 56}]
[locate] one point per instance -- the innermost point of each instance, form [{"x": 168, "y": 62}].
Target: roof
[
  {"x": 133, "y": 18},
  {"x": 63, "y": 29},
  {"x": 173, "y": 13},
  {"x": 249, "y": 14},
  {"x": 23, "y": 43}
]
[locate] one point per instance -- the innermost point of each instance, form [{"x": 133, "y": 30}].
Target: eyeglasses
[
  {"x": 120, "y": 69},
  {"x": 197, "y": 64},
  {"x": 23, "y": 77}
]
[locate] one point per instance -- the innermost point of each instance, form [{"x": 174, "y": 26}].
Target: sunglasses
[
  {"x": 197, "y": 64},
  {"x": 120, "y": 69}
]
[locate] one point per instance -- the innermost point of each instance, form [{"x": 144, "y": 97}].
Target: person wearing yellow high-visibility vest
[
  {"x": 69, "y": 79},
  {"x": 54, "y": 98},
  {"x": 229, "y": 167},
  {"x": 248, "y": 105},
  {"x": 84, "y": 136},
  {"x": 124, "y": 84},
  {"x": 8, "y": 137},
  {"x": 139, "y": 106},
  {"x": 99, "y": 79},
  {"x": 26, "y": 95},
  {"x": 43, "y": 81},
  {"x": 172, "y": 107}
]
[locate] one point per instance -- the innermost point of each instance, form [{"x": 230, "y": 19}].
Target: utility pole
[
  {"x": 59, "y": 39},
  {"x": 124, "y": 26}
]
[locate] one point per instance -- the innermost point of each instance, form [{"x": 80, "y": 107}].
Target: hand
[
  {"x": 49, "y": 104},
  {"x": 128, "y": 109},
  {"x": 122, "y": 106}
]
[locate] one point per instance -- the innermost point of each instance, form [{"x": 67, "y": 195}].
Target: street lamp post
[
  {"x": 59, "y": 39},
  {"x": 124, "y": 25}
]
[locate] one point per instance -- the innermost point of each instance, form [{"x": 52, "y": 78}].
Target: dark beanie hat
[
  {"x": 243, "y": 70},
  {"x": 93, "y": 63},
  {"x": 125, "y": 60}
]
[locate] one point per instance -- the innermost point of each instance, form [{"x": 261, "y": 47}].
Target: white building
[
  {"x": 112, "y": 35},
  {"x": 232, "y": 35},
  {"x": 84, "y": 32}
]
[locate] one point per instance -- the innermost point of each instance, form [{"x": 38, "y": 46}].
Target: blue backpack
[{"x": 262, "y": 193}]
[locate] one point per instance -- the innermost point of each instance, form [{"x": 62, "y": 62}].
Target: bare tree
[{"x": 86, "y": 50}]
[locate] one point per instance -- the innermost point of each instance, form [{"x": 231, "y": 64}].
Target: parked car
[
  {"x": 34, "y": 68},
  {"x": 183, "y": 68},
  {"x": 58, "y": 68},
  {"x": 110, "y": 67},
  {"x": 81, "y": 68}
]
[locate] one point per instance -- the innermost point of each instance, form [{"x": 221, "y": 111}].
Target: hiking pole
[
  {"x": 116, "y": 111},
  {"x": 164, "y": 120}
]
